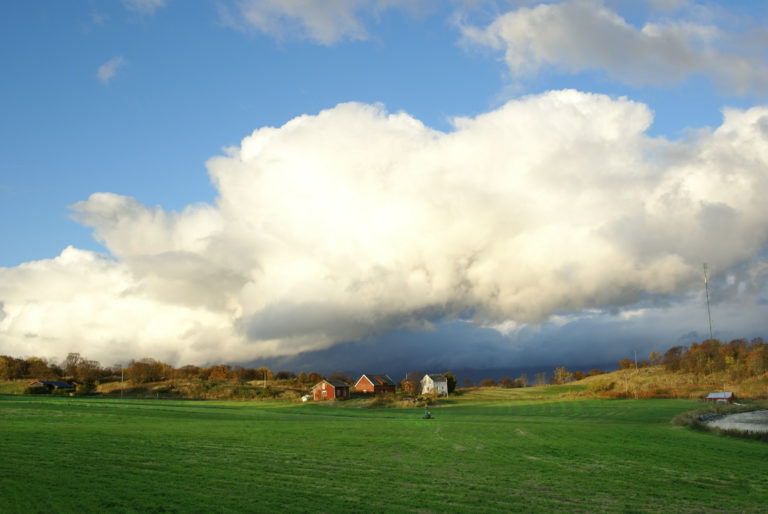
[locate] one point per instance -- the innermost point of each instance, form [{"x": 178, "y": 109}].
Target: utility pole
[{"x": 706, "y": 290}]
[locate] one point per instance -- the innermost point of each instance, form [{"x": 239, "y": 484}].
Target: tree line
[
  {"x": 739, "y": 357},
  {"x": 80, "y": 369}
]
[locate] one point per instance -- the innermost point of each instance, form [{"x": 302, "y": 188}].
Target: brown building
[
  {"x": 330, "y": 390},
  {"x": 375, "y": 384}
]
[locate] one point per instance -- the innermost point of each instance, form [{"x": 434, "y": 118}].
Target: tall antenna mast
[{"x": 706, "y": 290}]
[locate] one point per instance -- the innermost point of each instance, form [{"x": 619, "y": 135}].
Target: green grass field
[{"x": 485, "y": 451}]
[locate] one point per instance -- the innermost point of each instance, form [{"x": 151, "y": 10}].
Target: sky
[{"x": 381, "y": 185}]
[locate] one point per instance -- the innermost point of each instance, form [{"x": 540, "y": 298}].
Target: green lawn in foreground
[{"x": 491, "y": 454}]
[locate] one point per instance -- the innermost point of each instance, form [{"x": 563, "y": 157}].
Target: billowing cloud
[
  {"x": 356, "y": 222},
  {"x": 581, "y": 35},
  {"x": 108, "y": 70}
]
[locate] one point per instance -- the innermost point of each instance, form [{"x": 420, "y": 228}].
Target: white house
[{"x": 434, "y": 384}]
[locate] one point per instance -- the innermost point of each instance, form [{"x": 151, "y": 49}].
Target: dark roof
[
  {"x": 53, "y": 383},
  {"x": 384, "y": 380},
  {"x": 437, "y": 378},
  {"x": 379, "y": 379},
  {"x": 336, "y": 383}
]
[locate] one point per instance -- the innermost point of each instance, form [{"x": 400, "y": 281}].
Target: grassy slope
[
  {"x": 484, "y": 451},
  {"x": 680, "y": 385}
]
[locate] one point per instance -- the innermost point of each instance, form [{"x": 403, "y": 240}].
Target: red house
[
  {"x": 330, "y": 390},
  {"x": 375, "y": 384}
]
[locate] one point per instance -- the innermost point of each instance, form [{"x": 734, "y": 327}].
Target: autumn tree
[
  {"x": 148, "y": 370},
  {"x": 242, "y": 374},
  {"x": 187, "y": 372},
  {"x": 285, "y": 375},
  {"x": 522, "y": 380},
  {"x": 264, "y": 373},
  {"x": 138, "y": 372},
  {"x": 562, "y": 375},
  {"x": 12, "y": 368},
  {"x": 40, "y": 369},
  {"x": 70, "y": 363},
  {"x": 220, "y": 373},
  {"x": 625, "y": 364},
  {"x": 487, "y": 382},
  {"x": 412, "y": 382},
  {"x": 314, "y": 377},
  {"x": 757, "y": 360},
  {"x": 506, "y": 382},
  {"x": 88, "y": 371},
  {"x": 673, "y": 357},
  {"x": 655, "y": 358}
]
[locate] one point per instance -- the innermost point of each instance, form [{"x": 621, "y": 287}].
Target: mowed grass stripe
[{"x": 509, "y": 455}]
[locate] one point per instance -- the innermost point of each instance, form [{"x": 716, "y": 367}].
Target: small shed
[
  {"x": 434, "y": 384},
  {"x": 375, "y": 384},
  {"x": 50, "y": 385},
  {"x": 330, "y": 390},
  {"x": 720, "y": 398}
]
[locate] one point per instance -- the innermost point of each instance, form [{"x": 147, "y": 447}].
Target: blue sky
[{"x": 540, "y": 172}]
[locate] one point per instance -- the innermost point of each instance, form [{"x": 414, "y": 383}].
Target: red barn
[
  {"x": 719, "y": 398},
  {"x": 330, "y": 390},
  {"x": 375, "y": 384}
]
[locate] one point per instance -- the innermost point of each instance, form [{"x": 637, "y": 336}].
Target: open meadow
[{"x": 484, "y": 451}]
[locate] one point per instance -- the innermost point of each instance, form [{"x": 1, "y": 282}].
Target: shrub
[
  {"x": 36, "y": 390},
  {"x": 85, "y": 388},
  {"x": 600, "y": 386},
  {"x": 381, "y": 400},
  {"x": 656, "y": 392}
]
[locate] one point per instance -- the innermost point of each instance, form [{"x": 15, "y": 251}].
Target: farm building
[
  {"x": 434, "y": 384},
  {"x": 50, "y": 385},
  {"x": 720, "y": 398},
  {"x": 330, "y": 390},
  {"x": 375, "y": 384}
]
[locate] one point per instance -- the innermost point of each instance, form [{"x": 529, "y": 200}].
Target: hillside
[
  {"x": 645, "y": 382},
  {"x": 656, "y": 382}
]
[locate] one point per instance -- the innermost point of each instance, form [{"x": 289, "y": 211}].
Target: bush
[
  {"x": 85, "y": 388},
  {"x": 36, "y": 390},
  {"x": 381, "y": 401},
  {"x": 601, "y": 386},
  {"x": 656, "y": 392}
]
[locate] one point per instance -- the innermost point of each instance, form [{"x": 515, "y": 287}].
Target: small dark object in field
[{"x": 427, "y": 414}]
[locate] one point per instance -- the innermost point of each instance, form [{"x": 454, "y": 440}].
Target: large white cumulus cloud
[{"x": 355, "y": 221}]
